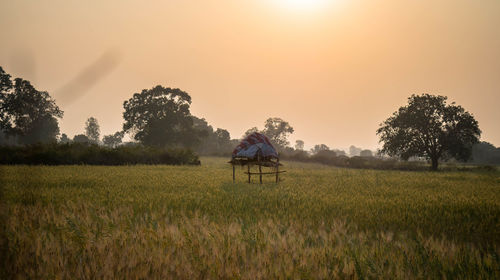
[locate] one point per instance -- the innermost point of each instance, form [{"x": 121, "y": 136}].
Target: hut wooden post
[
  {"x": 260, "y": 173},
  {"x": 260, "y": 169},
  {"x": 248, "y": 165},
  {"x": 233, "y": 174},
  {"x": 277, "y": 170}
]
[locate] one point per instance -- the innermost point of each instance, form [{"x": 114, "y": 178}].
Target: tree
[
  {"x": 208, "y": 145},
  {"x": 340, "y": 152},
  {"x": 92, "y": 129},
  {"x": 318, "y": 148},
  {"x": 113, "y": 140},
  {"x": 250, "y": 131},
  {"x": 64, "y": 139},
  {"x": 366, "y": 153},
  {"x": 223, "y": 135},
  {"x": 160, "y": 117},
  {"x": 81, "y": 138},
  {"x": 299, "y": 145},
  {"x": 5, "y": 82},
  {"x": 322, "y": 153},
  {"x": 223, "y": 139},
  {"x": 354, "y": 151},
  {"x": 429, "y": 127},
  {"x": 26, "y": 113},
  {"x": 485, "y": 153},
  {"x": 278, "y": 130}
]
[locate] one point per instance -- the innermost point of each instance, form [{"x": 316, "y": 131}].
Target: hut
[{"x": 256, "y": 149}]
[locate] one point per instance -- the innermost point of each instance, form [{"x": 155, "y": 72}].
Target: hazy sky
[{"x": 335, "y": 69}]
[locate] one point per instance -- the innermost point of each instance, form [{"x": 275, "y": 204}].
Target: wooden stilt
[
  {"x": 233, "y": 174},
  {"x": 277, "y": 170},
  {"x": 260, "y": 173},
  {"x": 260, "y": 169},
  {"x": 248, "y": 173}
]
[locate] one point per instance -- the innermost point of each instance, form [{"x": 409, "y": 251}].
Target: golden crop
[{"x": 190, "y": 222}]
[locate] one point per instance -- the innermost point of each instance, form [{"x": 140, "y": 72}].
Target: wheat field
[{"x": 192, "y": 222}]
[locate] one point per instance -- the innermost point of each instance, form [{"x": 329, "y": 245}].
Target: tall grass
[{"x": 193, "y": 222}]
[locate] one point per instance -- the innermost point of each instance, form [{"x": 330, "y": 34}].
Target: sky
[{"x": 334, "y": 69}]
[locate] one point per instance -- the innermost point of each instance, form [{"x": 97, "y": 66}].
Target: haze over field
[{"x": 333, "y": 69}]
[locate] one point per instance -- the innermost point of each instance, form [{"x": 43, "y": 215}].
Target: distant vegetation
[
  {"x": 92, "y": 154},
  {"x": 160, "y": 119}
]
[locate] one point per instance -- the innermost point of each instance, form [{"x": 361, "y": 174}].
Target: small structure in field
[{"x": 256, "y": 149}]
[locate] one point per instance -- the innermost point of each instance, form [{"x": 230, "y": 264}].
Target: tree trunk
[{"x": 434, "y": 166}]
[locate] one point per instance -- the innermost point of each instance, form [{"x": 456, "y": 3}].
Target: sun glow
[{"x": 303, "y": 5}]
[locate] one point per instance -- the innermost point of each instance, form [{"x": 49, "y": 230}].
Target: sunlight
[{"x": 303, "y": 5}]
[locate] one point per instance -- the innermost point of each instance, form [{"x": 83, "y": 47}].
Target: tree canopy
[
  {"x": 299, "y": 145},
  {"x": 278, "y": 131},
  {"x": 215, "y": 142},
  {"x": 160, "y": 117},
  {"x": 92, "y": 129},
  {"x": 429, "y": 127},
  {"x": 113, "y": 140},
  {"x": 81, "y": 138},
  {"x": 26, "y": 113},
  {"x": 318, "y": 148}
]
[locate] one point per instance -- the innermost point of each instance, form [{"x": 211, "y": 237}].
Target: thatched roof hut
[{"x": 256, "y": 149}]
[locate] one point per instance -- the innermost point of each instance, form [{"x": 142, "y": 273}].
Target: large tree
[
  {"x": 27, "y": 114},
  {"x": 160, "y": 117},
  {"x": 92, "y": 129},
  {"x": 223, "y": 140},
  {"x": 429, "y": 127},
  {"x": 354, "y": 151},
  {"x": 278, "y": 131},
  {"x": 113, "y": 140},
  {"x": 250, "y": 131},
  {"x": 318, "y": 148},
  {"x": 299, "y": 145},
  {"x": 215, "y": 142}
]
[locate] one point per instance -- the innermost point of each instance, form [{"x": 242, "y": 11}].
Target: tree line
[{"x": 427, "y": 128}]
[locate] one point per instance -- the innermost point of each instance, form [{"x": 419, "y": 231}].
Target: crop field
[{"x": 192, "y": 222}]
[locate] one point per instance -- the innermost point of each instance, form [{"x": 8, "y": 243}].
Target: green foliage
[
  {"x": 299, "y": 145},
  {"x": 330, "y": 157},
  {"x": 64, "y": 139},
  {"x": 81, "y": 138},
  {"x": 28, "y": 115},
  {"x": 5, "y": 81},
  {"x": 214, "y": 143},
  {"x": 428, "y": 127},
  {"x": 278, "y": 130},
  {"x": 366, "y": 153},
  {"x": 92, "y": 130},
  {"x": 354, "y": 151},
  {"x": 113, "y": 140},
  {"x": 85, "y": 153},
  {"x": 485, "y": 153},
  {"x": 160, "y": 117},
  {"x": 250, "y": 131},
  {"x": 318, "y": 148},
  {"x": 188, "y": 222}
]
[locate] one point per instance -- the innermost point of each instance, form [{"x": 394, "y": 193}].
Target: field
[{"x": 188, "y": 222}]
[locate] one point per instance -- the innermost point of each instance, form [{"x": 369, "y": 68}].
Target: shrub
[{"x": 91, "y": 154}]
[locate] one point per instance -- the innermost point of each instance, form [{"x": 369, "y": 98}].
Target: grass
[{"x": 190, "y": 222}]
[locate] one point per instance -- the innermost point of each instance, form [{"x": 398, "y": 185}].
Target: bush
[
  {"x": 91, "y": 154},
  {"x": 328, "y": 157}
]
